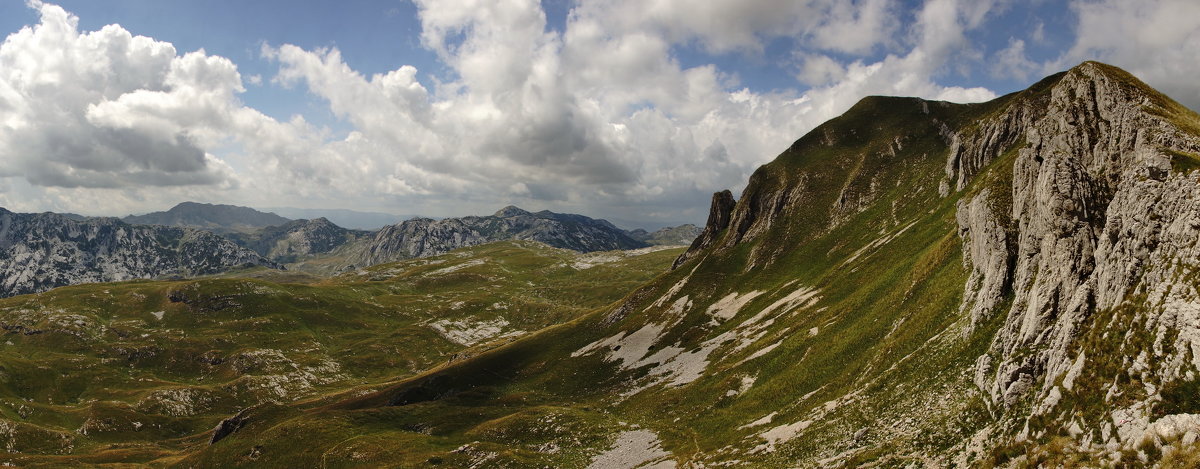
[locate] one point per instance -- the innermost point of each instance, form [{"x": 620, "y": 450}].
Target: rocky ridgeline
[
  {"x": 718, "y": 219},
  {"x": 422, "y": 237},
  {"x": 42, "y": 251}
]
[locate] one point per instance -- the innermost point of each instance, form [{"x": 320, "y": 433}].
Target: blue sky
[{"x": 629, "y": 109}]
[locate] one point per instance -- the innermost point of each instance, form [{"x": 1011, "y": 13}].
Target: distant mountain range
[
  {"x": 351, "y": 219},
  {"x": 212, "y": 217},
  {"x": 43, "y": 251},
  {"x": 46, "y": 250},
  {"x": 677, "y": 235},
  {"x": 422, "y": 237},
  {"x": 288, "y": 241}
]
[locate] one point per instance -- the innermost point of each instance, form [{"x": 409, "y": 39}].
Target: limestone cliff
[{"x": 1102, "y": 215}]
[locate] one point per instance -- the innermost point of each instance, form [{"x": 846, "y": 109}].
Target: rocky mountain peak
[
  {"x": 1102, "y": 204},
  {"x": 298, "y": 240},
  {"x": 320, "y": 221},
  {"x": 215, "y": 217},
  {"x": 510, "y": 211}
]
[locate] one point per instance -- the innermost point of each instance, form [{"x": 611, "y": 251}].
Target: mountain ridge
[
  {"x": 298, "y": 239},
  {"x": 219, "y": 218},
  {"x": 421, "y": 237},
  {"x": 349, "y": 219}
]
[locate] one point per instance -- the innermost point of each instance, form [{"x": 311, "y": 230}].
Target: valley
[{"x": 140, "y": 371}]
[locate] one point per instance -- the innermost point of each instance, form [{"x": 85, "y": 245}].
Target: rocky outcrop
[
  {"x": 229, "y": 426},
  {"x": 720, "y": 213},
  {"x": 421, "y": 237},
  {"x": 1100, "y": 219},
  {"x": 42, "y": 251},
  {"x": 974, "y": 149}
]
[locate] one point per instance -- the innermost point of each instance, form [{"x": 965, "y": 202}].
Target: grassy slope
[
  {"x": 139, "y": 371},
  {"x": 885, "y": 355}
]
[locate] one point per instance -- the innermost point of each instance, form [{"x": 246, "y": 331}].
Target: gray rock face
[
  {"x": 986, "y": 247},
  {"x": 1098, "y": 217},
  {"x": 423, "y": 237},
  {"x": 42, "y": 251}
]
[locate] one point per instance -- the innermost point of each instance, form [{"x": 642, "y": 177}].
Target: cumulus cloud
[
  {"x": 599, "y": 117},
  {"x": 1011, "y": 61},
  {"x": 819, "y": 69},
  {"x": 77, "y": 110},
  {"x": 603, "y": 113}
]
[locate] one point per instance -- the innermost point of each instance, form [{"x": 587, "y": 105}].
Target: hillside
[
  {"x": 45, "y": 250},
  {"x": 212, "y": 217},
  {"x": 140, "y": 371},
  {"x": 1010, "y": 283}
]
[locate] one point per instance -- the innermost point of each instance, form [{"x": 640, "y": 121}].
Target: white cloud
[
  {"x": 851, "y": 26},
  {"x": 66, "y": 102},
  {"x": 1011, "y": 61},
  {"x": 1039, "y": 32},
  {"x": 856, "y": 27},
  {"x": 603, "y": 113},
  {"x": 819, "y": 69}
]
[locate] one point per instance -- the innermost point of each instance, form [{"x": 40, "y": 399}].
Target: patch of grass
[{"x": 1183, "y": 162}]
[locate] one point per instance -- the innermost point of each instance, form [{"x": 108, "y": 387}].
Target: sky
[{"x": 632, "y": 110}]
